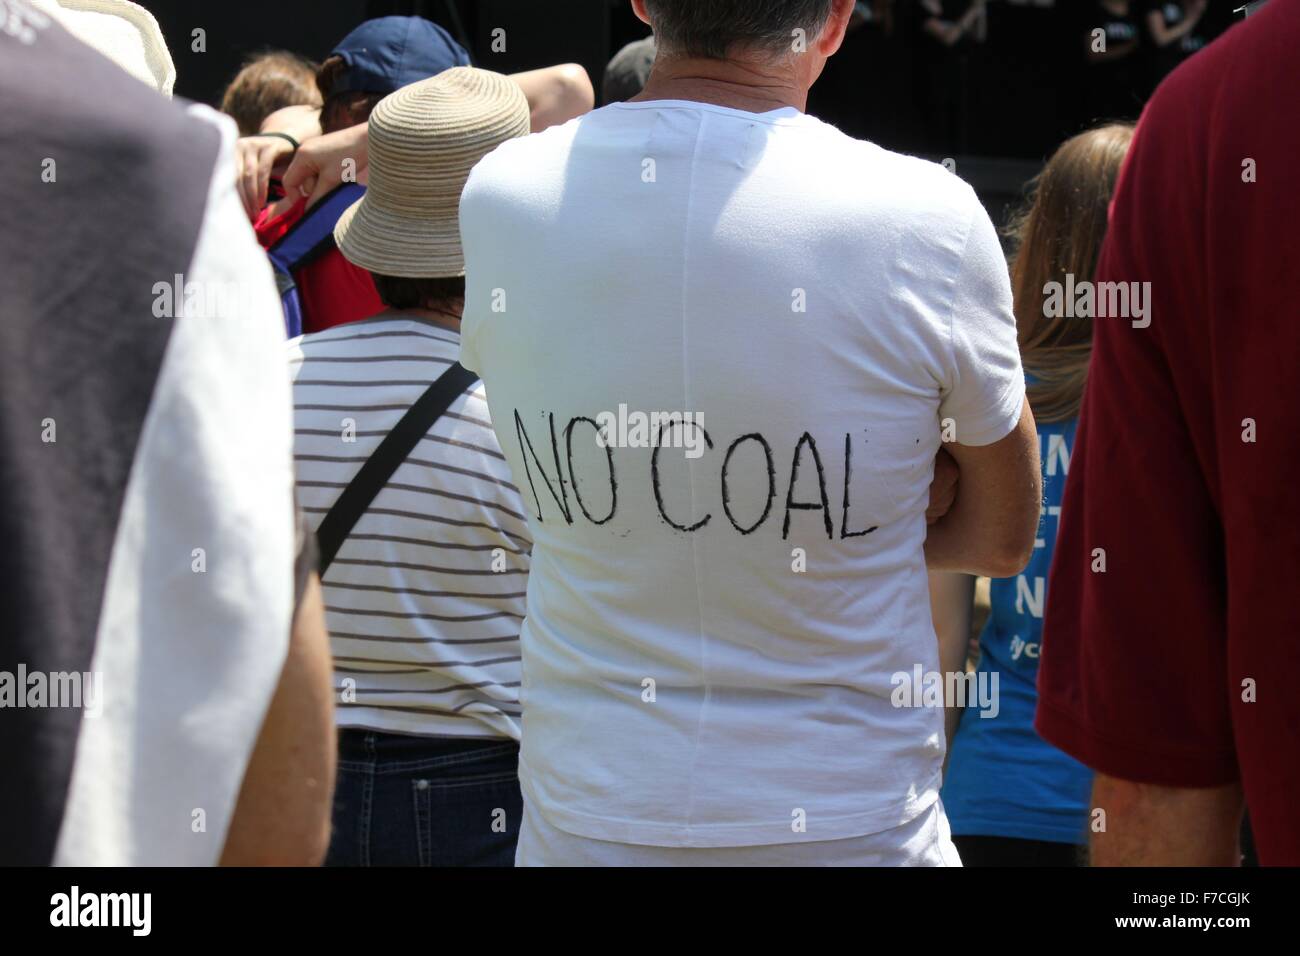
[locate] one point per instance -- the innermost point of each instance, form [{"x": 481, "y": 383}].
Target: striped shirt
[{"x": 425, "y": 597}]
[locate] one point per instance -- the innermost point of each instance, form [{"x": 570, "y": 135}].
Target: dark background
[{"x": 998, "y": 109}]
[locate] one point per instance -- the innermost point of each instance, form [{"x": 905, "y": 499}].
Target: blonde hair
[{"x": 1060, "y": 232}]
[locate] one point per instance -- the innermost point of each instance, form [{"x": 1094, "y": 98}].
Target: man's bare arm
[
  {"x": 1149, "y": 825},
  {"x": 991, "y": 526},
  {"x": 556, "y": 94},
  {"x": 282, "y": 817},
  {"x": 952, "y": 599}
]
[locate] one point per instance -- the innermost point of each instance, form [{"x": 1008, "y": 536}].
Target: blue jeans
[{"x": 425, "y": 801}]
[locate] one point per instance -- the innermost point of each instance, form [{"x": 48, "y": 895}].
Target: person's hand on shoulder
[
  {"x": 259, "y": 158},
  {"x": 326, "y": 162}
]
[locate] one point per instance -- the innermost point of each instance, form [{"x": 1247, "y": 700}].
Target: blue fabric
[
  {"x": 1003, "y": 779},
  {"x": 291, "y": 304},
  {"x": 387, "y": 53},
  {"x": 425, "y": 801},
  {"x": 314, "y": 231}
]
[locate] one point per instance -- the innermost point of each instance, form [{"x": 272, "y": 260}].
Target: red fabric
[
  {"x": 333, "y": 290},
  {"x": 1142, "y": 666}
]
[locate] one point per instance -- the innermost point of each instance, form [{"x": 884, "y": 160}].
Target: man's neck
[{"x": 752, "y": 86}]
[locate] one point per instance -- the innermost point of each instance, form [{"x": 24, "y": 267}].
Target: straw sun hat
[
  {"x": 124, "y": 32},
  {"x": 424, "y": 140}
]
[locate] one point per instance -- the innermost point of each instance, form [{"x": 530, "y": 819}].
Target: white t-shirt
[{"x": 709, "y": 652}]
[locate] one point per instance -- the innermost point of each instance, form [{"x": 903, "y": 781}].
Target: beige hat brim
[
  {"x": 386, "y": 242},
  {"x": 123, "y": 31},
  {"x": 424, "y": 140}
]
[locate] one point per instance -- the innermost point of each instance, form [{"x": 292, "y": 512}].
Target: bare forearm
[
  {"x": 951, "y": 599},
  {"x": 283, "y": 813},
  {"x": 962, "y": 541},
  {"x": 1148, "y": 825},
  {"x": 991, "y": 526}
]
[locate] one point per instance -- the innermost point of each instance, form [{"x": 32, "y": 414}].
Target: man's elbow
[
  {"x": 1009, "y": 547},
  {"x": 1011, "y": 555},
  {"x": 576, "y": 92}
]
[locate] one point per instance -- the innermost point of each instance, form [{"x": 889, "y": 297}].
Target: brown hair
[
  {"x": 268, "y": 82},
  {"x": 399, "y": 293},
  {"x": 342, "y": 110},
  {"x": 1060, "y": 232}
]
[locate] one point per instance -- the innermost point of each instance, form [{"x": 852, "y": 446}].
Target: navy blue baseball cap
[{"x": 386, "y": 54}]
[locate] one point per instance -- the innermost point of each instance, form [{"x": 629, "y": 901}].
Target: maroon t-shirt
[{"x": 1177, "y": 663}]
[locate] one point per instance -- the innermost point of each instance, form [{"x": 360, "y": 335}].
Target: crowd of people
[
  {"x": 418, "y": 465},
  {"x": 937, "y": 76}
]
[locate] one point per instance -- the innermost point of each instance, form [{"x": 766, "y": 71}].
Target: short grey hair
[{"x": 713, "y": 28}]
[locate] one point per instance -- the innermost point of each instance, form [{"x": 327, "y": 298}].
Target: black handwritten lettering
[
  {"x": 573, "y": 476},
  {"x": 790, "y": 504},
  {"x": 844, "y": 511},
  {"x": 771, "y": 482},
  {"x": 654, "y": 476},
  {"x": 670, "y": 492},
  {"x": 526, "y": 448}
]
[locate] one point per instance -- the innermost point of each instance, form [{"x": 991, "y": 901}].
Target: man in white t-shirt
[{"x": 722, "y": 344}]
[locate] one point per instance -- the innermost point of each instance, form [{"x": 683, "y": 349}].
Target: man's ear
[
  {"x": 638, "y": 7},
  {"x": 837, "y": 24}
]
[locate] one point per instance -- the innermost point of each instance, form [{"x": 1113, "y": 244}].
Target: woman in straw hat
[
  {"x": 424, "y": 140},
  {"x": 426, "y": 594}
]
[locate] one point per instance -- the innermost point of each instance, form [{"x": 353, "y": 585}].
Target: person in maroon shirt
[{"x": 1173, "y": 635}]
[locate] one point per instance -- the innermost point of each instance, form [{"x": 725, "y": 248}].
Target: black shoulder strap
[{"x": 388, "y": 457}]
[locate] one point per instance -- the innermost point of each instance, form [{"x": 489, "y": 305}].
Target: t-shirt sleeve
[
  {"x": 476, "y": 244},
  {"x": 986, "y": 386},
  {"x": 468, "y": 354},
  {"x": 1133, "y": 655}
]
